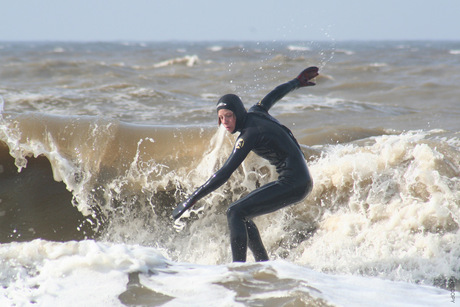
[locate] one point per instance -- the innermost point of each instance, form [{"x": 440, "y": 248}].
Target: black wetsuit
[{"x": 264, "y": 135}]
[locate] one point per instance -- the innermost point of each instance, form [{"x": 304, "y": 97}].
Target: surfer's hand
[
  {"x": 306, "y": 75},
  {"x": 182, "y": 207}
]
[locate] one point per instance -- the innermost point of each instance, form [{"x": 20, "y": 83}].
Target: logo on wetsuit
[{"x": 239, "y": 144}]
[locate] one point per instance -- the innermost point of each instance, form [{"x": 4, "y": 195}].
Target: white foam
[
  {"x": 89, "y": 273},
  {"x": 85, "y": 273}
]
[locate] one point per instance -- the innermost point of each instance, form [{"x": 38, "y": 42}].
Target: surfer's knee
[
  {"x": 236, "y": 217},
  {"x": 232, "y": 213},
  {"x": 302, "y": 187}
]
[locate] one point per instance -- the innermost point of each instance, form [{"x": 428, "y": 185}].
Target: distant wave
[
  {"x": 344, "y": 51},
  {"x": 215, "y": 48},
  {"x": 188, "y": 60},
  {"x": 297, "y": 48}
]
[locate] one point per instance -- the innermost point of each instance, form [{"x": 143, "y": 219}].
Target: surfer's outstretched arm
[
  {"x": 237, "y": 156},
  {"x": 303, "y": 79}
]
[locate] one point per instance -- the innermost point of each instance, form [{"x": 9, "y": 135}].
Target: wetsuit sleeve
[
  {"x": 240, "y": 151},
  {"x": 276, "y": 94}
]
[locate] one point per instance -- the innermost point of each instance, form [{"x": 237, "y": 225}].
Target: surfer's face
[{"x": 227, "y": 118}]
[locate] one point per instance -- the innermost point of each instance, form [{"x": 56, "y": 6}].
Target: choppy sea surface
[{"x": 100, "y": 141}]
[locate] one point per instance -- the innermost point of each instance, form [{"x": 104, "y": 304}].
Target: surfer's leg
[
  {"x": 255, "y": 242},
  {"x": 238, "y": 235},
  {"x": 266, "y": 199}
]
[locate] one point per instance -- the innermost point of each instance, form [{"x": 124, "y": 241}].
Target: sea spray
[{"x": 389, "y": 208}]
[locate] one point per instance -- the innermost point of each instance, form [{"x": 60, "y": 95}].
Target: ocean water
[{"x": 100, "y": 141}]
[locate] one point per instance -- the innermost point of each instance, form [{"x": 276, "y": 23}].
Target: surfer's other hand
[{"x": 306, "y": 75}]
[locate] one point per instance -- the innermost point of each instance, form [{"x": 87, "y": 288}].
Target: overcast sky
[{"x": 258, "y": 20}]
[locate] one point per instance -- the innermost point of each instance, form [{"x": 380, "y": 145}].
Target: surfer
[{"x": 264, "y": 135}]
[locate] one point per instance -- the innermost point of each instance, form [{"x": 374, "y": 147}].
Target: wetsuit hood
[{"x": 233, "y": 103}]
